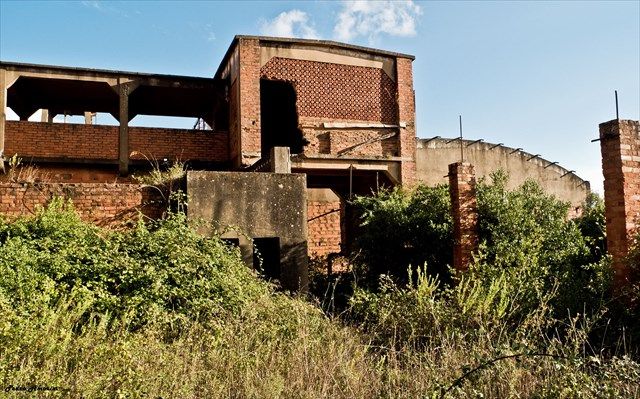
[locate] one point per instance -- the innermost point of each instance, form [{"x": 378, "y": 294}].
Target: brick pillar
[
  {"x": 249, "y": 90},
  {"x": 464, "y": 210},
  {"x": 406, "y": 119},
  {"x": 620, "y": 148}
]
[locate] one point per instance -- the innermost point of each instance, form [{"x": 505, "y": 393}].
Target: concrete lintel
[
  {"x": 360, "y": 125},
  {"x": 12, "y": 76},
  {"x": 339, "y": 166}
]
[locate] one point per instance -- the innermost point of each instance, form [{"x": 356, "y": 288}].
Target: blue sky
[{"x": 537, "y": 75}]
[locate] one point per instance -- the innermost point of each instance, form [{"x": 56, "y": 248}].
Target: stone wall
[{"x": 102, "y": 204}]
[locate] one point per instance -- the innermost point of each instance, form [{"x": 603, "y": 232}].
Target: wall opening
[
  {"x": 266, "y": 256},
  {"x": 279, "y": 117}
]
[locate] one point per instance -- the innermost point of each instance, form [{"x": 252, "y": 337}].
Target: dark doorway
[
  {"x": 278, "y": 116},
  {"x": 266, "y": 256}
]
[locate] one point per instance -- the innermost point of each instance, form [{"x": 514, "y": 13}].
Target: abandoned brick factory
[{"x": 288, "y": 130}]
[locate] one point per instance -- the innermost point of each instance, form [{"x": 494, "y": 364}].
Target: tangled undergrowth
[{"x": 160, "y": 311}]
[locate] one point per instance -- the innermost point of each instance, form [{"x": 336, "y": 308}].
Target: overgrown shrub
[
  {"x": 526, "y": 236},
  {"x": 151, "y": 272},
  {"x": 404, "y": 227},
  {"x": 525, "y": 239}
]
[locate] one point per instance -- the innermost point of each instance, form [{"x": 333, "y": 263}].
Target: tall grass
[{"x": 196, "y": 323}]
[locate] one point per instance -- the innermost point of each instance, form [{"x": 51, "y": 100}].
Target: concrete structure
[
  {"x": 433, "y": 156},
  {"x": 620, "y": 147},
  {"x": 265, "y": 212},
  {"x": 464, "y": 212}
]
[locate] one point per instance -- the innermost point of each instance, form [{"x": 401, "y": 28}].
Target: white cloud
[
  {"x": 371, "y": 18},
  {"x": 294, "y": 23}
]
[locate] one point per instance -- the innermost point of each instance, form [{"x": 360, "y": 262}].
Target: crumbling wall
[
  {"x": 324, "y": 211},
  {"x": 433, "y": 156},
  {"x": 464, "y": 209},
  {"x": 102, "y": 204},
  {"x": 620, "y": 148}
]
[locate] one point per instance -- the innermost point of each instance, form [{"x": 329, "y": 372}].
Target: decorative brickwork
[
  {"x": 462, "y": 188},
  {"x": 96, "y": 142},
  {"x": 323, "y": 227},
  {"x": 620, "y": 147},
  {"x": 103, "y": 204},
  {"x": 337, "y": 92}
]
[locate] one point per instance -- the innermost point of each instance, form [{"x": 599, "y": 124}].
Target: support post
[
  {"x": 464, "y": 210},
  {"x": 280, "y": 160},
  {"x": 3, "y": 116},
  {"x": 123, "y": 135},
  {"x": 620, "y": 148},
  {"x": 44, "y": 116},
  {"x": 88, "y": 118}
]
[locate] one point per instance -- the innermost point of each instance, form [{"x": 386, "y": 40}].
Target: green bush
[
  {"x": 525, "y": 239},
  {"x": 151, "y": 272},
  {"x": 400, "y": 228}
]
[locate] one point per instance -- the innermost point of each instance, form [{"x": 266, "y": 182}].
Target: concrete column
[
  {"x": 3, "y": 115},
  {"x": 44, "y": 116},
  {"x": 88, "y": 118},
  {"x": 280, "y": 160},
  {"x": 464, "y": 210},
  {"x": 123, "y": 136},
  {"x": 620, "y": 148}
]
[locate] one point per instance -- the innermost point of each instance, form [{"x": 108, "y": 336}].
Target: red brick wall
[
  {"x": 323, "y": 225},
  {"x": 96, "y": 142},
  {"x": 334, "y": 91},
  {"x": 462, "y": 188},
  {"x": 620, "y": 148},
  {"x": 61, "y": 140},
  {"x": 406, "y": 114},
  {"x": 249, "y": 95},
  {"x": 103, "y": 204}
]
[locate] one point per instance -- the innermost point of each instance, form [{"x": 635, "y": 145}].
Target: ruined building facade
[{"x": 346, "y": 114}]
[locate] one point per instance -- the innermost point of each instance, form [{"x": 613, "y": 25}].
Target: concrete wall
[
  {"x": 433, "y": 156},
  {"x": 256, "y": 205}
]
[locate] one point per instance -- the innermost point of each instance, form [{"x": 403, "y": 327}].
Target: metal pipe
[
  {"x": 517, "y": 149},
  {"x": 535, "y": 156},
  {"x": 551, "y": 163},
  {"x": 495, "y": 145},
  {"x": 461, "y": 146},
  {"x": 476, "y": 141},
  {"x": 432, "y": 138},
  {"x": 571, "y": 171}
]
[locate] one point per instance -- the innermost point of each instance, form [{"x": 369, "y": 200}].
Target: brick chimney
[
  {"x": 620, "y": 147},
  {"x": 464, "y": 210}
]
